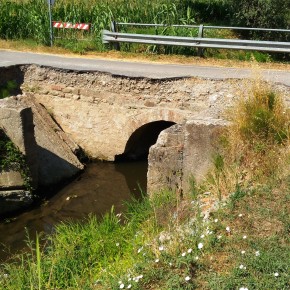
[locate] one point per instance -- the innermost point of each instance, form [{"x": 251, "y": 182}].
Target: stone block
[
  {"x": 17, "y": 122},
  {"x": 182, "y": 152},
  {"x": 11, "y": 179},
  {"x": 57, "y": 88},
  {"x": 199, "y": 139},
  {"x": 56, "y": 152},
  {"x": 67, "y": 90},
  {"x": 165, "y": 161}
]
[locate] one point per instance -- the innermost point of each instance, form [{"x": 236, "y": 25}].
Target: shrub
[{"x": 261, "y": 13}]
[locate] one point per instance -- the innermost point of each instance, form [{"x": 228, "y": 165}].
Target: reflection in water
[{"x": 100, "y": 187}]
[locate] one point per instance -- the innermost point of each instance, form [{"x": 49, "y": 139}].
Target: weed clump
[
  {"x": 261, "y": 117},
  {"x": 255, "y": 147}
]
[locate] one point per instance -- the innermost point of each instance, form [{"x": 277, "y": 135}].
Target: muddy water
[{"x": 100, "y": 187}]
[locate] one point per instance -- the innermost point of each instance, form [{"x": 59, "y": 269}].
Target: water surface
[{"x": 100, "y": 187}]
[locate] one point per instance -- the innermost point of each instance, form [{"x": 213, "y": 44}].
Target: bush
[{"x": 261, "y": 14}]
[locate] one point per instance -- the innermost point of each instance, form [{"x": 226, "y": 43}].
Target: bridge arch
[{"x": 138, "y": 144}]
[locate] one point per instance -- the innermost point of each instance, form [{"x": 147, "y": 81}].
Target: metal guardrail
[{"x": 199, "y": 42}]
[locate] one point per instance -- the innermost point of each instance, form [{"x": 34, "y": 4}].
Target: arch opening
[{"x": 137, "y": 147}]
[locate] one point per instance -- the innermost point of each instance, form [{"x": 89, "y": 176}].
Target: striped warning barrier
[{"x": 82, "y": 26}]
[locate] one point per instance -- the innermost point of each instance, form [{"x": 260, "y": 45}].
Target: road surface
[{"x": 137, "y": 69}]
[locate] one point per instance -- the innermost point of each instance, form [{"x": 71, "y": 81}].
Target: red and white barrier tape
[{"x": 83, "y": 26}]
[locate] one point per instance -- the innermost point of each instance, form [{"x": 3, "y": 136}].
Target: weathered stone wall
[
  {"x": 29, "y": 126},
  {"x": 165, "y": 161},
  {"x": 101, "y": 111},
  {"x": 182, "y": 152},
  {"x": 17, "y": 122}
]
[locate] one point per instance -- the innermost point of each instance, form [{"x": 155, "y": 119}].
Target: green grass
[
  {"x": 151, "y": 247},
  {"x": 29, "y": 20}
]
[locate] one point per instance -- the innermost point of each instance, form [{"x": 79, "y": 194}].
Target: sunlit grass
[
  {"x": 168, "y": 242},
  {"x": 22, "y": 20}
]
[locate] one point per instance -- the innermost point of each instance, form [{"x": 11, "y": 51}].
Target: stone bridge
[
  {"x": 116, "y": 118},
  {"x": 108, "y": 115}
]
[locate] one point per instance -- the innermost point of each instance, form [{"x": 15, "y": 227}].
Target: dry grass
[{"x": 137, "y": 57}]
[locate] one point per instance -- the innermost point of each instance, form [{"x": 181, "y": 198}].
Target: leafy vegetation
[
  {"x": 7, "y": 88},
  {"x": 261, "y": 13},
  {"x": 168, "y": 242},
  {"x": 29, "y": 20},
  {"x": 12, "y": 159}
]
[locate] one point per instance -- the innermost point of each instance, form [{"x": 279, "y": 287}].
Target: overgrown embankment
[{"x": 169, "y": 242}]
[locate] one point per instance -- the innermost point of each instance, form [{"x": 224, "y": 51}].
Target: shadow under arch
[
  {"x": 137, "y": 146},
  {"x": 133, "y": 162}
]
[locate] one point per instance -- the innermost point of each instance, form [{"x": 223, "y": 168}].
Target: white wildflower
[
  {"x": 183, "y": 254},
  {"x": 122, "y": 286},
  {"x": 242, "y": 267},
  {"x": 257, "y": 253},
  {"x": 189, "y": 251},
  {"x": 202, "y": 236},
  {"x": 117, "y": 244},
  {"x": 129, "y": 286},
  {"x": 161, "y": 248},
  {"x": 228, "y": 229},
  {"x": 157, "y": 260},
  {"x": 276, "y": 274},
  {"x": 187, "y": 278},
  {"x": 244, "y": 237},
  {"x": 243, "y": 252},
  {"x": 200, "y": 245},
  {"x": 196, "y": 258},
  {"x": 140, "y": 249},
  {"x": 216, "y": 220},
  {"x": 240, "y": 215},
  {"x": 219, "y": 237}
]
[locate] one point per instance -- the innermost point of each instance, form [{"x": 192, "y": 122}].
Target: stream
[{"x": 101, "y": 186}]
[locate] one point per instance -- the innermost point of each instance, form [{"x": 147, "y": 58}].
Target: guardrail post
[
  {"x": 114, "y": 29},
  {"x": 200, "y": 50},
  {"x": 50, "y": 3}
]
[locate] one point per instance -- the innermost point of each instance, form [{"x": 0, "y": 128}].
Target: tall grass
[
  {"x": 255, "y": 147},
  {"x": 29, "y": 19}
]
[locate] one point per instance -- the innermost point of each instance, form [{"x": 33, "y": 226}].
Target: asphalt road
[{"x": 137, "y": 69}]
